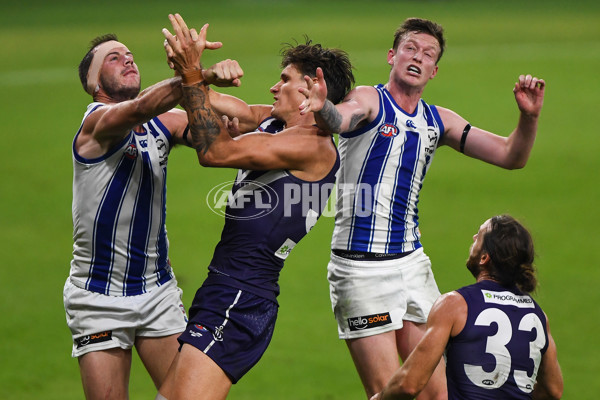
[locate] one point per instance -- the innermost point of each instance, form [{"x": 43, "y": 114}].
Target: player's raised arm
[
  {"x": 228, "y": 73},
  {"x": 209, "y": 137},
  {"x": 510, "y": 152},
  {"x": 340, "y": 118}
]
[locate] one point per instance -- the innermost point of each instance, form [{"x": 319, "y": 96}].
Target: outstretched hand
[
  {"x": 185, "y": 48},
  {"x": 529, "y": 94},
  {"x": 315, "y": 92}
]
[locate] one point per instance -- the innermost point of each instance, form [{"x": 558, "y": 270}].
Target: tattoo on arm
[
  {"x": 203, "y": 121},
  {"x": 356, "y": 118},
  {"x": 331, "y": 116}
]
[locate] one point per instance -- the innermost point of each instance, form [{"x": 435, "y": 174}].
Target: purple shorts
[{"x": 231, "y": 326}]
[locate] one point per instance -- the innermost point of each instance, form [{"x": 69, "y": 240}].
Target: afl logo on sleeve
[{"x": 388, "y": 130}]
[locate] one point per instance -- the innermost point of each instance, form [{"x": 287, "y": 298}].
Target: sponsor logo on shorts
[
  {"x": 218, "y": 334},
  {"x": 369, "y": 321},
  {"x": 94, "y": 338},
  {"x": 195, "y": 330}
]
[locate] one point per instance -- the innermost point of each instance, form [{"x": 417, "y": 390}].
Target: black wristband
[{"x": 463, "y": 138}]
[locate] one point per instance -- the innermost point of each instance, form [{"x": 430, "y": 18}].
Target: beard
[
  {"x": 117, "y": 91},
  {"x": 473, "y": 264}
]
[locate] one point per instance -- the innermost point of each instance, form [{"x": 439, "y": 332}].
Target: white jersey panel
[
  {"x": 119, "y": 208},
  {"x": 382, "y": 172}
]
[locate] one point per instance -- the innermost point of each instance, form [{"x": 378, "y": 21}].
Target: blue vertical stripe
[
  {"x": 403, "y": 187},
  {"x": 139, "y": 231},
  {"x": 162, "y": 268},
  {"x": 105, "y": 226}
]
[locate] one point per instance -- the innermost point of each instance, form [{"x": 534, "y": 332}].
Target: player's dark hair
[
  {"x": 510, "y": 247},
  {"x": 421, "y": 25},
  {"x": 84, "y": 65},
  {"x": 335, "y": 64}
]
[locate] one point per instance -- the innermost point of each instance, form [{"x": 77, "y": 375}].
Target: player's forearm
[
  {"x": 400, "y": 389},
  {"x": 521, "y": 141},
  {"x": 329, "y": 118},
  {"x": 204, "y": 123},
  {"x": 158, "y": 98}
]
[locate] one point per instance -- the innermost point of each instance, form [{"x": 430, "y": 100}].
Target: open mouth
[{"x": 414, "y": 69}]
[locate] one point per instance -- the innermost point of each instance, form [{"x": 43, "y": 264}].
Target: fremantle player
[
  {"x": 121, "y": 291},
  {"x": 496, "y": 337},
  {"x": 281, "y": 189},
  {"x": 381, "y": 282}
]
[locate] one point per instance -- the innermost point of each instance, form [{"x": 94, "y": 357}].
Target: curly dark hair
[
  {"x": 420, "y": 25},
  {"x": 335, "y": 64},
  {"x": 84, "y": 65},
  {"x": 510, "y": 247}
]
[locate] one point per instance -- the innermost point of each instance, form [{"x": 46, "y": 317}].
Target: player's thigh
[
  {"x": 105, "y": 373},
  {"x": 157, "y": 354},
  {"x": 408, "y": 337},
  {"x": 375, "y": 358},
  {"x": 194, "y": 375}
]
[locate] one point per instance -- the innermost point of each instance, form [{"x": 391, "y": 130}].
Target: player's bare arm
[
  {"x": 108, "y": 125},
  {"x": 549, "y": 383},
  {"x": 249, "y": 116},
  {"x": 510, "y": 152},
  {"x": 213, "y": 144},
  {"x": 344, "y": 117},
  {"x": 447, "y": 318},
  {"x": 228, "y": 73},
  {"x": 299, "y": 148}
]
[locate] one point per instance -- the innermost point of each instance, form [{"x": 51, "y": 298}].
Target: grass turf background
[{"x": 488, "y": 46}]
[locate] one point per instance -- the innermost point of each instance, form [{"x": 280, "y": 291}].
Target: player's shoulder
[
  {"x": 174, "y": 120},
  {"x": 450, "y": 301},
  {"x": 365, "y": 90}
]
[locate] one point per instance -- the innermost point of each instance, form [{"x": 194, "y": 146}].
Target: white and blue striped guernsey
[
  {"x": 119, "y": 208},
  {"x": 383, "y": 166}
]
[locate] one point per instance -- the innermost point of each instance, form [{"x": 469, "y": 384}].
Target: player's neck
[
  {"x": 297, "y": 119},
  {"x": 407, "y": 97}
]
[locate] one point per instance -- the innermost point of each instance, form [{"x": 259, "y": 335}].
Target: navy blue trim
[
  {"x": 437, "y": 117},
  {"x": 370, "y": 125},
  {"x": 391, "y": 98}
]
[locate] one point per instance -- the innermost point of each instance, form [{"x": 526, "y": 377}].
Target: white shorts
[
  {"x": 372, "y": 297},
  {"x": 100, "y": 322}
]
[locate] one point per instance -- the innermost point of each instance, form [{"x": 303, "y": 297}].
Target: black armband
[{"x": 463, "y": 138}]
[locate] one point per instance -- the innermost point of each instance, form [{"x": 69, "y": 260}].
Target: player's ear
[
  {"x": 390, "y": 56},
  {"x": 484, "y": 258},
  {"x": 434, "y": 72}
]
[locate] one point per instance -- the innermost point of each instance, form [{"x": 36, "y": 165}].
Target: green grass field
[{"x": 488, "y": 46}]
